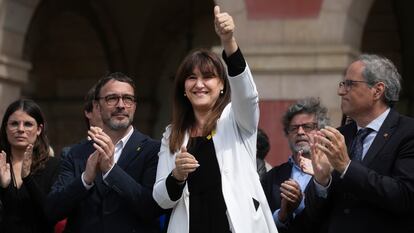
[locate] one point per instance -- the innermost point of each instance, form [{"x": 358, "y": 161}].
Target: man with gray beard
[
  {"x": 284, "y": 185},
  {"x": 105, "y": 184}
]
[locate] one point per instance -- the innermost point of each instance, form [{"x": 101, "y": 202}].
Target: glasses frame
[
  {"x": 348, "y": 84},
  {"x": 15, "y": 125},
  {"x": 294, "y": 129},
  {"x": 125, "y": 99}
]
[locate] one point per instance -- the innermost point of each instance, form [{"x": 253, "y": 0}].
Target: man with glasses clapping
[
  {"x": 284, "y": 185},
  {"x": 105, "y": 184}
]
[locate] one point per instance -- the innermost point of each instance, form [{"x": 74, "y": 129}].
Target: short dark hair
[
  {"x": 308, "y": 106},
  {"x": 88, "y": 104},
  {"x": 117, "y": 76}
]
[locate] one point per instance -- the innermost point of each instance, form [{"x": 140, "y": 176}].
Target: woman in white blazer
[{"x": 207, "y": 162}]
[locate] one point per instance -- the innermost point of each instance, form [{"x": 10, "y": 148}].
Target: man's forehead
[
  {"x": 117, "y": 87},
  {"x": 356, "y": 67},
  {"x": 303, "y": 116}
]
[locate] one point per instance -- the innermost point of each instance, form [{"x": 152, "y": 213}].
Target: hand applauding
[{"x": 5, "y": 176}]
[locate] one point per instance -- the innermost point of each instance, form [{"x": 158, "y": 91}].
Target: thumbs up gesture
[
  {"x": 185, "y": 163},
  {"x": 224, "y": 26}
]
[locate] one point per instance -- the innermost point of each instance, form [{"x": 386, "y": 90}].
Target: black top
[
  {"x": 23, "y": 209},
  {"x": 207, "y": 206}
]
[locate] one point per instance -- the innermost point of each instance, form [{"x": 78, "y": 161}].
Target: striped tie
[{"x": 357, "y": 144}]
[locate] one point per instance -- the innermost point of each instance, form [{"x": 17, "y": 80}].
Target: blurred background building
[{"x": 52, "y": 51}]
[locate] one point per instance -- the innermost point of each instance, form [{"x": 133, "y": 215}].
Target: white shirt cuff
[
  {"x": 87, "y": 186},
  {"x": 104, "y": 175},
  {"x": 346, "y": 169}
]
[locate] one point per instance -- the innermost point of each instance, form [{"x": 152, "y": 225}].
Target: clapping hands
[
  {"x": 5, "y": 176},
  {"x": 101, "y": 160}
]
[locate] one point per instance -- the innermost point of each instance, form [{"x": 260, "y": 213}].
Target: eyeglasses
[
  {"x": 27, "y": 125},
  {"x": 347, "y": 84},
  {"x": 113, "y": 100},
  {"x": 293, "y": 129}
]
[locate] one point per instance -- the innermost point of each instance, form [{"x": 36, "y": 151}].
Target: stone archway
[
  {"x": 64, "y": 46},
  {"x": 70, "y": 48},
  {"x": 290, "y": 58},
  {"x": 15, "y": 17},
  {"x": 389, "y": 32}
]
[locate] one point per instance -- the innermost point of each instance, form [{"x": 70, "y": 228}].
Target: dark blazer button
[{"x": 347, "y": 211}]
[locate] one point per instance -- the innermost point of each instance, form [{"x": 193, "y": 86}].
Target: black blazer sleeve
[{"x": 68, "y": 190}]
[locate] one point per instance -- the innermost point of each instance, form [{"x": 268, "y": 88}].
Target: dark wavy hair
[
  {"x": 209, "y": 64},
  {"x": 309, "y": 106},
  {"x": 41, "y": 146}
]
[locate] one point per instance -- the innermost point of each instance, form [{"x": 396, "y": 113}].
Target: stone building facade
[{"x": 53, "y": 50}]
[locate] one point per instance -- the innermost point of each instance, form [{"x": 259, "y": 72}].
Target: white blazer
[{"x": 235, "y": 146}]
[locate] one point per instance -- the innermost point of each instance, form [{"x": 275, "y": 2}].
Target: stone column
[
  {"x": 296, "y": 51},
  {"x": 13, "y": 74},
  {"x": 15, "y": 16}
]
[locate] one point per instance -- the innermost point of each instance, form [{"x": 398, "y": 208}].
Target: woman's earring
[
  {"x": 221, "y": 92},
  {"x": 185, "y": 94}
]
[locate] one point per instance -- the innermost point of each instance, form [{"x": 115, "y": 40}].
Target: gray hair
[
  {"x": 307, "y": 106},
  {"x": 380, "y": 69}
]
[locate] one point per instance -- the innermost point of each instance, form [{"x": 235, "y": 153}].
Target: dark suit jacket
[
  {"x": 377, "y": 194},
  {"x": 121, "y": 203},
  {"x": 271, "y": 183}
]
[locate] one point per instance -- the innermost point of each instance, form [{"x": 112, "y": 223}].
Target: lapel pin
[
  {"x": 139, "y": 148},
  {"x": 211, "y": 135},
  {"x": 385, "y": 135}
]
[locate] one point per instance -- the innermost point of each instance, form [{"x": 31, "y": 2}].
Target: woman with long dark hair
[
  {"x": 207, "y": 162},
  {"x": 26, "y": 170}
]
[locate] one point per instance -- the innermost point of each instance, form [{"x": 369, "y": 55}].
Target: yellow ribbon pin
[{"x": 211, "y": 135}]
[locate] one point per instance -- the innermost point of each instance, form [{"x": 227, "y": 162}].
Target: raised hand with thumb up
[
  {"x": 185, "y": 163},
  {"x": 224, "y": 26}
]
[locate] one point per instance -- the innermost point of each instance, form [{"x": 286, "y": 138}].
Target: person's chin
[
  {"x": 20, "y": 145},
  {"x": 302, "y": 146},
  {"x": 120, "y": 124}
]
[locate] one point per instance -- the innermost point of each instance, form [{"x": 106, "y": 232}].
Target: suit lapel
[
  {"x": 132, "y": 149},
  {"x": 129, "y": 153},
  {"x": 385, "y": 132}
]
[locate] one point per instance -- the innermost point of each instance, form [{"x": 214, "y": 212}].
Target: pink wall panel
[
  {"x": 271, "y": 113},
  {"x": 283, "y": 9}
]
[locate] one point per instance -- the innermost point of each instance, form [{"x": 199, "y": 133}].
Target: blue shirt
[
  {"x": 375, "y": 125},
  {"x": 303, "y": 179}
]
